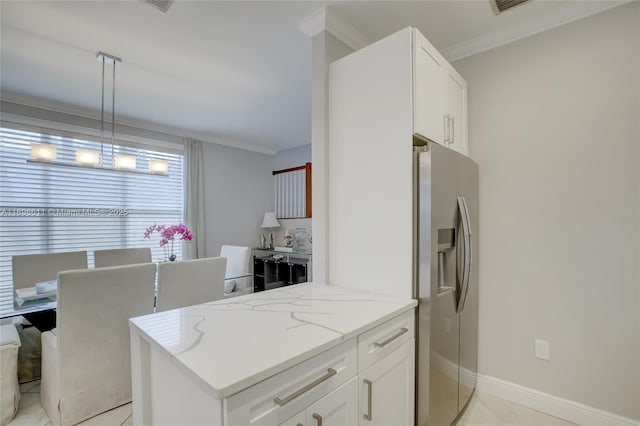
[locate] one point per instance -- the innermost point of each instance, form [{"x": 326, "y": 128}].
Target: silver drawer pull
[
  {"x": 390, "y": 339},
  {"x": 318, "y": 418},
  {"x": 369, "y": 415},
  {"x": 330, "y": 373}
]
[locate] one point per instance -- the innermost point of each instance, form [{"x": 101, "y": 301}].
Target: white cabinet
[
  {"x": 439, "y": 97},
  {"x": 380, "y": 341},
  {"x": 454, "y": 103},
  {"x": 370, "y": 373},
  {"x": 339, "y": 408},
  {"x": 381, "y": 97},
  {"x": 427, "y": 88},
  {"x": 275, "y": 400},
  {"x": 386, "y": 389},
  {"x": 297, "y": 420},
  {"x": 330, "y": 388},
  {"x": 386, "y": 373}
]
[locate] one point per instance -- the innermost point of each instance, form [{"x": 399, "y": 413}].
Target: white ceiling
[{"x": 235, "y": 72}]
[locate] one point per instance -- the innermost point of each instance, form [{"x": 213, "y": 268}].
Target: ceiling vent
[
  {"x": 162, "y": 5},
  {"x": 502, "y": 5}
]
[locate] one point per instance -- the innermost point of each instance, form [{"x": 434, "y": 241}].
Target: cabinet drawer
[
  {"x": 280, "y": 397},
  {"x": 379, "y": 342}
]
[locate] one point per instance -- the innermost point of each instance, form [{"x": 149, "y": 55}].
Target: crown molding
[
  {"x": 167, "y": 134},
  {"x": 572, "y": 12},
  {"x": 326, "y": 19}
]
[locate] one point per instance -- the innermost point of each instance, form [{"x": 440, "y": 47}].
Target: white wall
[
  {"x": 554, "y": 127},
  {"x": 326, "y": 48},
  {"x": 238, "y": 190},
  {"x": 293, "y": 157}
]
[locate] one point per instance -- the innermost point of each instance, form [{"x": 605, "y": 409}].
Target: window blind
[
  {"x": 50, "y": 208},
  {"x": 293, "y": 192}
]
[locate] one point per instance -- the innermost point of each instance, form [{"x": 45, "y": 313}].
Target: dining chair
[
  {"x": 190, "y": 282},
  {"x": 86, "y": 360},
  {"x": 238, "y": 262},
  {"x": 118, "y": 257},
  {"x": 30, "y": 269}
]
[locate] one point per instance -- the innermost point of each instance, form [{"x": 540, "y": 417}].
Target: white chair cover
[
  {"x": 86, "y": 360},
  {"x": 119, "y": 257},
  {"x": 190, "y": 282},
  {"x": 30, "y": 269},
  {"x": 9, "y": 389}
]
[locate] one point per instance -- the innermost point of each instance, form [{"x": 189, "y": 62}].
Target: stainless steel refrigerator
[{"x": 446, "y": 282}]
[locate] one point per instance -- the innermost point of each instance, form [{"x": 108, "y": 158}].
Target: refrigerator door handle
[{"x": 466, "y": 238}]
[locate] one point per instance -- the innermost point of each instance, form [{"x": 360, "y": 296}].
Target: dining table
[{"x": 40, "y": 309}]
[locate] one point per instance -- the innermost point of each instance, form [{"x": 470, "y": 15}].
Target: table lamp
[{"x": 270, "y": 222}]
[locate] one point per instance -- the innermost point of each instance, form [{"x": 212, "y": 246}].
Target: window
[
  {"x": 50, "y": 208},
  {"x": 293, "y": 192}
]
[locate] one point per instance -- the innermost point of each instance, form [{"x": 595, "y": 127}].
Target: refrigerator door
[
  {"x": 439, "y": 326},
  {"x": 468, "y": 189},
  {"x": 447, "y": 284}
]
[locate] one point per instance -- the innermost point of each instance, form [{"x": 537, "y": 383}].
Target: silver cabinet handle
[
  {"x": 299, "y": 424},
  {"x": 318, "y": 418},
  {"x": 452, "y": 133},
  {"x": 390, "y": 339},
  {"x": 447, "y": 130},
  {"x": 330, "y": 373},
  {"x": 369, "y": 414}
]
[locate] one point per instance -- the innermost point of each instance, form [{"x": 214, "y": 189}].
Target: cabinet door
[
  {"x": 297, "y": 420},
  {"x": 386, "y": 389},
  {"x": 339, "y": 408},
  {"x": 427, "y": 90},
  {"x": 455, "y": 111}
]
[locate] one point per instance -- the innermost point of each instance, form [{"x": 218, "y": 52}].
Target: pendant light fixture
[
  {"x": 43, "y": 152},
  {"x": 46, "y": 153}
]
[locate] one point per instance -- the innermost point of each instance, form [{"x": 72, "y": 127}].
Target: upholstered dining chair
[
  {"x": 118, "y": 257},
  {"x": 190, "y": 282},
  {"x": 238, "y": 261},
  {"x": 86, "y": 360},
  {"x": 30, "y": 269}
]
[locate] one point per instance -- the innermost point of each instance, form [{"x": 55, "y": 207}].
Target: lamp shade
[
  {"x": 158, "y": 166},
  {"x": 122, "y": 161},
  {"x": 88, "y": 157},
  {"x": 43, "y": 151},
  {"x": 270, "y": 221}
]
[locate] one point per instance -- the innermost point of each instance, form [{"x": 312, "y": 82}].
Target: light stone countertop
[{"x": 235, "y": 343}]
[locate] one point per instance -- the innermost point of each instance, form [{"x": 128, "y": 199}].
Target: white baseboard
[{"x": 563, "y": 408}]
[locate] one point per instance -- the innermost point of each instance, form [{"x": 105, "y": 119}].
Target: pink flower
[
  {"x": 169, "y": 233},
  {"x": 153, "y": 228}
]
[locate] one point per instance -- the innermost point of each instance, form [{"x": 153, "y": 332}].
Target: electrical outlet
[{"x": 542, "y": 349}]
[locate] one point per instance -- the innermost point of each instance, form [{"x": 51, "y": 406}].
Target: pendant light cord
[
  {"x": 102, "y": 119},
  {"x": 113, "y": 110}
]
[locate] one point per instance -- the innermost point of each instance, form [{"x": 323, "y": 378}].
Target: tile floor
[
  {"x": 31, "y": 412},
  {"x": 483, "y": 410},
  {"x": 488, "y": 410}
]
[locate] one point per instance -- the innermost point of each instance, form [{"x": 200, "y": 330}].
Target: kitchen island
[{"x": 271, "y": 357}]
